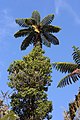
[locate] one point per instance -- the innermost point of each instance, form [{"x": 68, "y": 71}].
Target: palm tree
[
  {"x": 37, "y": 32},
  {"x": 72, "y": 68}
]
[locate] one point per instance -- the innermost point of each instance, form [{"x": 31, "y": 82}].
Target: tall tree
[
  {"x": 30, "y": 78},
  {"x": 37, "y": 32},
  {"x": 72, "y": 68}
]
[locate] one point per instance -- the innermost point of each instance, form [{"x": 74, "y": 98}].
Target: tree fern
[{"x": 72, "y": 68}]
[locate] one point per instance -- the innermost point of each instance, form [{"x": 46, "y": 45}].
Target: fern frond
[
  {"x": 68, "y": 80},
  {"x": 64, "y": 66},
  {"x": 76, "y": 55}
]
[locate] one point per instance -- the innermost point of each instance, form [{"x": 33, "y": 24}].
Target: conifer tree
[{"x": 30, "y": 78}]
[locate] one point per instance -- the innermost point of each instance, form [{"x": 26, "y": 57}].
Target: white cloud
[
  {"x": 63, "y": 5},
  {"x": 7, "y": 24},
  {"x": 58, "y": 6}
]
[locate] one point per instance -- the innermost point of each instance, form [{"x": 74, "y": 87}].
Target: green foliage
[
  {"x": 5, "y": 113},
  {"x": 47, "y": 20},
  {"x": 31, "y": 103},
  {"x": 30, "y": 79},
  {"x": 37, "y": 32},
  {"x": 65, "y": 67},
  {"x": 10, "y": 116},
  {"x": 36, "y": 16},
  {"x": 76, "y": 54},
  {"x": 72, "y": 68},
  {"x": 52, "y": 29},
  {"x": 33, "y": 71}
]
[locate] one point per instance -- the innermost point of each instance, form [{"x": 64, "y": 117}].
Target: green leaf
[
  {"x": 52, "y": 29},
  {"x": 47, "y": 20},
  {"x": 10, "y": 116},
  {"x": 64, "y": 66},
  {"x": 51, "y": 38},
  {"x": 68, "y": 80},
  {"x": 36, "y": 16},
  {"x": 76, "y": 55},
  {"x": 45, "y": 41},
  {"x": 30, "y": 21},
  {"x": 26, "y": 22},
  {"x": 21, "y": 22},
  {"x": 22, "y": 33},
  {"x": 27, "y": 41}
]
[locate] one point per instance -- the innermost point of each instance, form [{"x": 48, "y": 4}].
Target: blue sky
[{"x": 67, "y": 16}]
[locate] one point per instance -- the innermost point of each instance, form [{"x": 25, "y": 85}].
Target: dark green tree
[
  {"x": 36, "y": 31},
  {"x": 72, "y": 68},
  {"x": 30, "y": 78}
]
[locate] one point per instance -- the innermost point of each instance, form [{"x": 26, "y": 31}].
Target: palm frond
[
  {"x": 50, "y": 28},
  {"x": 22, "y": 33},
  {"x": 36, "y": 16},
  {"x": 30, "y": 21},
  {"x": 26, "y": 22},
  {"x": 45, "y": 41},
  {"x": 21, "y": 22},
  {"x": 51, "y": 38},
  {"x": 27, "y": 41},
  {"x": 47, "y": 20},
  {"x": 68, "y": 79},
  {"x": 76, "y": 55},
  {"x": 65, "y": 66}
]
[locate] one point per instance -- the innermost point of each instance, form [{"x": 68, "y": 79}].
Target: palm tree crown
[
  {"x": 37, "y": 32},
  {"x": 72, "y": 68}
]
